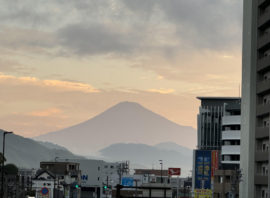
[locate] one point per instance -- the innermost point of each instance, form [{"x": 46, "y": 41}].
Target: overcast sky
[{"x": 63, "y": 62}]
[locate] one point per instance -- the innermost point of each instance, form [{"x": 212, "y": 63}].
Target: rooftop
[{"x": 217, "y": 98}]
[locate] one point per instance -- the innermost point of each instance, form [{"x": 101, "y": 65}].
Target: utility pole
[
  {"x": 161, "y": 167},
  {"x": 3, "y": 163}
]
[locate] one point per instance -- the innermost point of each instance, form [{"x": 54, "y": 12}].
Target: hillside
[{"x": 27, "y": 153}]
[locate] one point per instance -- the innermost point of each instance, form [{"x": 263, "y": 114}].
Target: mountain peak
[
  {"x": 127, "y": 105},
  {"x": 123, "y": 122}
]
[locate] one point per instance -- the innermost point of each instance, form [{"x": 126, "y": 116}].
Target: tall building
[
  {"x": 255, "y": 99},
  {"x": 231, "y": 132},
  {"x": 218, "y": 145},
  {"x": 209, "y": 121}
]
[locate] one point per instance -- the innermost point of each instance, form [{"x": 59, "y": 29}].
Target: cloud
[
  {"x": 46, "y": 112},
  {"x": 57, "y": 84},
  {"x": 204, "y": 24},
  {"x": 94, "y": 39},
  {"x": 162, "y": 91},
  {"x": 127, "y": 26}
]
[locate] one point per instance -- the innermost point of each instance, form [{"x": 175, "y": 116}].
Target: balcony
[
  {"x": 261, "y": 156},
  {"x": 261, "y": 180},
  {"x": 262, "y": 132},
  {"x": 260, "y": 2},
  {"x": 231, "y": 135},
  {"x": 231, "y": 120},
  {"x": 230, "y": 162},
  {"x": 263, "y": 109},
  {"x": 264, "y": 41},
  {"x": 230, "y": 150},
  {"x": 264, "y": 20},
  {"x": 263, "y": 63},
  {"x": 263, "y": 3},
  {"x": 263, "y": 86}
]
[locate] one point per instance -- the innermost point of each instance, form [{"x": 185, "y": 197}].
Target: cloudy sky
[{"x": 63, "y": 62}]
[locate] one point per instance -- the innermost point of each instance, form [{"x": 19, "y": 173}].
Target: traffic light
[
  {"x": 105, "y": 187},
  {"x": 76, "y": 186}
]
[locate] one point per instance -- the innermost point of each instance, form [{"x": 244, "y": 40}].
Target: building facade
[
  {"x": 255, "y": 99},
  {"x": 218, "y": 146},
  {"x": 230, "y": 137},
  {"x": 209, "y": 121}
]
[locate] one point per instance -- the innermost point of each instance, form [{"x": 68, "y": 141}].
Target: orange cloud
[
  {"x": 162, "y": 91},
  {"x": 66, "y": 85},
  {"x": 46, "y": 112}
]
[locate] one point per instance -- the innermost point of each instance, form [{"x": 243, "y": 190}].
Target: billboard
[
  {"x": 203, "y": 169},
  {"x": 174, "y": 171},
  {"x": 127, "y": 181},
  {"x": 214, "y": 163},
  {"x": 203, "y": 193}
]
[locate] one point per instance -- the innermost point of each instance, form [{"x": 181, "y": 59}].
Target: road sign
[
  {"x": 174, "y": 171},
  {"x": 127, "y": 181},
  {"x": 44, "y": 191}
]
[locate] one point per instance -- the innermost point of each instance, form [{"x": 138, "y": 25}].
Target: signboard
[
  {"x": 203, "y": 169},
  {"x": 203, "y": 193},
  {"x": 214, "y": 163},
  {"x": 174, "y": 171},
  {"x": 44, "y": 191},
  {"x": 127, "y": 181}
]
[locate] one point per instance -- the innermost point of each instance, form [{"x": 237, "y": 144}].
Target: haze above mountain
[{"x": 126, "y": 122}]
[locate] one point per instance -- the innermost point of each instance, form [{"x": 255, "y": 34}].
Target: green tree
[{"x": 11, "y": 169}]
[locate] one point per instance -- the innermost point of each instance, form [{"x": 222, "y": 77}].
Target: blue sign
[
  {"x": 127, "y": 181},
  {"x": 203, "y": 169},
  {"x": 84, "y": 177},
  {"x": 44, "y": 191}
]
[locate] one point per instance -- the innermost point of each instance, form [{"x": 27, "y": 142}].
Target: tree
[
  {"x": 11, "y": 169},
  {"x": 2, "y": 159}
]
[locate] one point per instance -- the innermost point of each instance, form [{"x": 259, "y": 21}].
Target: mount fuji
[{"x": 126, "y": 122}]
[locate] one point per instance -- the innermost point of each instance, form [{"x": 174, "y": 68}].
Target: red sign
[
  {"x": 214, "y": 165},
  {"x": 174, "y": 171}
]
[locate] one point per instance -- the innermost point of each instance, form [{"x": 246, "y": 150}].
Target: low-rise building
[{"x": 67, "y": 175}]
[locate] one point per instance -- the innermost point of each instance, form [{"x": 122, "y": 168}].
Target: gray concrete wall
[{"x": 247, "y": 189}]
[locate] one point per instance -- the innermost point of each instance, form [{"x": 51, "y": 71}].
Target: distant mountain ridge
[
  {"x": 124, "y": 122},
  {"x": 147, "y": 156},
  {"x": 27, "y": 153}
]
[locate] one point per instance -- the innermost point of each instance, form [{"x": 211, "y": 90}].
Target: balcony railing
[
  {"x": 263, "y": 86},
  {"x": 263, "y": 63},
  {"x": 262, "y": 132},
  {"x": 263, "y": 3},
  {"x": 231, "y": 135},
  {"x": 261, "y": 156},
  {"x": 264, "y": 41},
  {"x": 230, "y": 150},
  {"x": 263, "y": 109},
  {"x": 261, "y": 180},
  {"x": 231, "y": 120},
  {"x": 264, "y": 19}
]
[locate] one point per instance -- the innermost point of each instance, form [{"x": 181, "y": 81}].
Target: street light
[
  {"x": 3, "y": 163},
  {"x": 161, "y": 166}
]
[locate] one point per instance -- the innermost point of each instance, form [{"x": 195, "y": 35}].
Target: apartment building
[
  {"x": 209, "y": 121},
  {"x": 255, "y": 99},
  {"x": 231, "y": 132}
]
